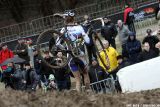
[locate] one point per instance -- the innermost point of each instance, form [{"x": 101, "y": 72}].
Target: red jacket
[
  {"x": 126, "y": 11},
  {"x": 5, "y": 54}
]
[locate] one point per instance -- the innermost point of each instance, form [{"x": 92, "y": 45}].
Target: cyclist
[{"x": 74, "y": 32}]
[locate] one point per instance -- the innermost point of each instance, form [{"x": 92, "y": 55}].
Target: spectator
[
  {"x": 29, "y": 78},
  {"x": 111, "y": 58},
  {"x": 30, "y": 51},
  {"x": 37, "y": 62},
  {"x": 21, "y": 49},
  {"x": 152, "y": 40},
  {"x": 51, "y": 82},
  {"x": 46, "y": 70},
  {"x": 122, "y": 62},
  {"x": 147, "y": 53},
  {"x": 7, "y": 75},
  {"x": 17, "y": 78},
  {"x": 123, "y": 36},
  {"x": 62, "y": 77},
  {"x": 89, "y": 30},
  {"x": 109, "y": 32},
  {"x": 5, "y": 53},
  {"x": 86, "y": 24},
  {"x": 133, "y": 47},
  {"x": 129, "y": 18},
  {"x": 97, "y": 73}
]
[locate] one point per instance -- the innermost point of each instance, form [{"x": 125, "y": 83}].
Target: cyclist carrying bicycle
[{"x": 74, "y": 32}]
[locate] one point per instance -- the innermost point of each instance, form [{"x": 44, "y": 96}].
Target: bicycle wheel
[
  {"x": 48, "y": 40},
  {"x": 99, "y": 48}
]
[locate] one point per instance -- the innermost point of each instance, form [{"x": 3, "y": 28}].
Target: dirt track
[{"x": 10, "y": 98}]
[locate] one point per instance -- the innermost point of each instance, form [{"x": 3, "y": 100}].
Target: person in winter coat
[
  {"x": 87, "y": 26},
  {"x": 147, "y": 53},
  {"x": 96, "y": 74},
  {"x": 123, "y": 36},
  {"x": 30, "y": 79},
  {"x": 129, "y": 18},
  {"x": 152, "y": 40},
  {"x": 109, "y": 57},
  {"x": 122, "y": 62},
  {"x": 21, "y": 49},
  {"x": 5, "y": 53},
  {"x": 7, "y": 79},
  {"x": 133, "y": 47},
  {"x": 109, "y": 32},
  {"x": 62, "y": 77},
  {"x": 46, "y": 70},
  {"x": 37, "y": 62}
]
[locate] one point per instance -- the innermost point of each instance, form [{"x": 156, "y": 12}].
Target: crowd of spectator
[{"x": 33, "y": 73}]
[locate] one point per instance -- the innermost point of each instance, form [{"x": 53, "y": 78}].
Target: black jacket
[
  {"x": 46, "y": 70},
  {"x": 109, "y": 31},
  {"x": 37, "y": 64},
  {"x": 24, "y": 54},
  {"x": 17, "y": 78},
  {"x": 97, "y": 73},
  {"x": 152, "y": 40},
  {"x": 133, "y": 48},
  {"x": 144, "y": 55}
]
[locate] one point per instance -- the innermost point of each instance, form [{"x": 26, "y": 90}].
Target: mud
[{"x": 11, "y": 98}]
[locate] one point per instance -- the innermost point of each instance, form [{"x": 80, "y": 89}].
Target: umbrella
[{"x": 16, "y": 59}]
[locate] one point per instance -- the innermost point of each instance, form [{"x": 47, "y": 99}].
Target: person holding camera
[{"x": 62, "y": 76}]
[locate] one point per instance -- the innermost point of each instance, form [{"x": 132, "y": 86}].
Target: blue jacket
[{"x": 133, "y": 48}]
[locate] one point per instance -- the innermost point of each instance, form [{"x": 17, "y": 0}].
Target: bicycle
[{"x": 61, "y": 42}]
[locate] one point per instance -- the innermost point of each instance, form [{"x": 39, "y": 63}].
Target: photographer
[
  {"x": 89, "y": 30},
  {"x": 62, "y": 76}
]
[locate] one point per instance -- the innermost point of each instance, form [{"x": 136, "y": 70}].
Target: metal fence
[
  {"x": 95, "y": 10},
  {"x": 103, "y": 86}
]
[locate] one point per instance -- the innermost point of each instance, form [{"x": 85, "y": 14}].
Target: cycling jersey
[{"x": 76, "y": 32}]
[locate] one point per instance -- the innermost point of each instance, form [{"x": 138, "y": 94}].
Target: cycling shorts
[{"x": 76, "y": 64}]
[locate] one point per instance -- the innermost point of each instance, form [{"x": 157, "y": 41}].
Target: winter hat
[{"x": 131, "y": 34}]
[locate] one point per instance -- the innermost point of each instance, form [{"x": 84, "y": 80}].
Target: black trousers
[
  {"x": 91, "y": 53},
  {"x": 131, "y": 27}
]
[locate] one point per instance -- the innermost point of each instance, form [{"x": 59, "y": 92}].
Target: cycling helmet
[{"x": 69, "y": 13}]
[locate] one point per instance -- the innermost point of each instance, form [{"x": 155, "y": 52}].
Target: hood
[{"x": 131, "y": 34}]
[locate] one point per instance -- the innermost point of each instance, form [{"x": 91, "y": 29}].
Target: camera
[{"x": 59, "y": 61}]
